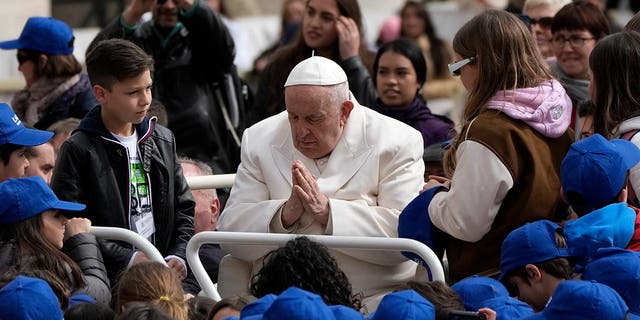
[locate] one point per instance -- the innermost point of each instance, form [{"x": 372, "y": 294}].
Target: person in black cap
[
  {"x": 55, "y": 87},
  {"x": 14, "y": 139},
  {"x": 34, "y": 234}
]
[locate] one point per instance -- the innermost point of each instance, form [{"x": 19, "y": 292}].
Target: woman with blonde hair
[
  {"x": 154, "y": 283},
  {"x": 504, "y": 165}
]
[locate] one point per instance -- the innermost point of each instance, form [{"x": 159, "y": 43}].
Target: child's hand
[{"x": 488, "y": 313}]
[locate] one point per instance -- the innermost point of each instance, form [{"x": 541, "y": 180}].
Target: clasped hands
[{"x": 305, "y": 197}]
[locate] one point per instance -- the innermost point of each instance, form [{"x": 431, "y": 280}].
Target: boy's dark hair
[
  {"x": 441, "y": 295},
  {"x": 95, "y": 311},
  {"x": 308, "y": 266},
  {"x": 6, "y": 150},
  {"x": 115, "y": 60},
  {"x": 559, "y": 268},
  {"x": 581, "y": 206}
]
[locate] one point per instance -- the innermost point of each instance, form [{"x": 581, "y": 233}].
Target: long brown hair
[
  {"x": 438, "y": 48},
  {"x": 154, "y": 283},
  {"x": 507, "y": 59},
  {"x": 616, "y": 81},
  {"x": 287, "y": 57},
  {"x": 37, "y": 253}
]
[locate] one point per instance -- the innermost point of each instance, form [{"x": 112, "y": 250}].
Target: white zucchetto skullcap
[{"x": 316, "y": 71}]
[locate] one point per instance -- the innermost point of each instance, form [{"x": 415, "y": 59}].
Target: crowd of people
[{"x": 530, "y": 197}]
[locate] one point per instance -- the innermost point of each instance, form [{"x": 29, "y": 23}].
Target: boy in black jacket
[{"x": 122, "y": 165}]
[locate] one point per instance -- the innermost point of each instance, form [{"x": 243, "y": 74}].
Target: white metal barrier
[
  {"x": 342, "y": 242},
  {"x": 211, "y": 182},
  {"x": 128, "y": 236}
]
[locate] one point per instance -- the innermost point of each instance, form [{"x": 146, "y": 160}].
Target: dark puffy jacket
[
  {"x": 84, "y": 250},
  {"x": 93, "y": 168},
  {"x": 192, "y": 63}
]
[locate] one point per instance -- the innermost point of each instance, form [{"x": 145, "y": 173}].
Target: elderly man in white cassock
[{"x": 328, "y": 166}]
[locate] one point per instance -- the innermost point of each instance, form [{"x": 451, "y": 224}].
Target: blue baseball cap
[
  {"x": 258, "y": 307},
  {"x": 620, "y": 270},
  {"x": 13, "y": 131},
  {"x": 508, "y": 308},
  {"x": 297, "y": 304},
  {"x": 475, "y": 290},
  {"x": 532, "y": 243},
  {"x": 414, "y": 223},
  {"x": 345, "y": 313},
  {"x": 29, "y": 299},
  {"x": 43, "y": 34},
  {"x": 583, "y": 300},
  {"x": 23, "y": 198},
  {"x": 597, "y": 169},
  {"x": 406, "y": 305},
  {"x": 609, "y": 226}
]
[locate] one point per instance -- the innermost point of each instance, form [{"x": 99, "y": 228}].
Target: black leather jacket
[
  {"x": 190, "y": 61},
  {"x": 93, "y": 168}
]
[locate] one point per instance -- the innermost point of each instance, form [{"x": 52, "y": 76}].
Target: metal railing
[
  {"x": 216, "y": 181},
  {"x": 335, "y": 242},
  {"x": 138, "y": 241}
]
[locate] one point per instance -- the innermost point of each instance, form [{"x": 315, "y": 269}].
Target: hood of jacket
[
  {"x": 92, "y": 123},
  {"x": 546, "y": 108},
  {"x": 609, "y": 226}
]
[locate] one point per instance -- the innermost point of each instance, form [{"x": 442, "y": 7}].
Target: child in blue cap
[
  {"x": 34, "y": 234},
  {"x": 483, "y": 292},
  {"x": 584, "y": 300},
  {"x": 533, "y": 261},
  {"x": 14, "y": 140},
  {"x": 620, "y": 270},
  {"x": 594, "y": 176},
  {"x": 29, "y": 299}
]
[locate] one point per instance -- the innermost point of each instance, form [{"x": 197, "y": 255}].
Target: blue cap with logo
[
  {"x": 532, "y": 243},
  {"x": 13, "y": 131},
  {"x": 406, "y": 304},
  {"x": 24, "y": 198},
  {"x": 29, "y": 299},
  {"x": 583, "y": 300},
  {"x": 597, "y": 169},
  {"x": 619, "y": 269},
  {"x": 45, "y": 35}
]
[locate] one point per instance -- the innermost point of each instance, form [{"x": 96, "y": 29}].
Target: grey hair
[
  {"x": 203, "y": 170},
  {"x": 556, "y": 5},
  {"x": 338, "y": 93}
]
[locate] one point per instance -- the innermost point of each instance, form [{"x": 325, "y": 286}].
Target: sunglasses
[
  {"x": 23, "y": 57},
  {"x": 544, "y": 22},
  {"x": 454, "y": 67}
]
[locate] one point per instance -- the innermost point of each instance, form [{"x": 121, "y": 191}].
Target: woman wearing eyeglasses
[
  {"x": 576, "y": 29},
  {"x": 540, "y": 15},
  {"x": 504, "y": 165},
  {"x": 55, "y": 89}
]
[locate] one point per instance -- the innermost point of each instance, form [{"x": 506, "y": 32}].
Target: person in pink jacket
[{"x": 503, "y": 168}]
